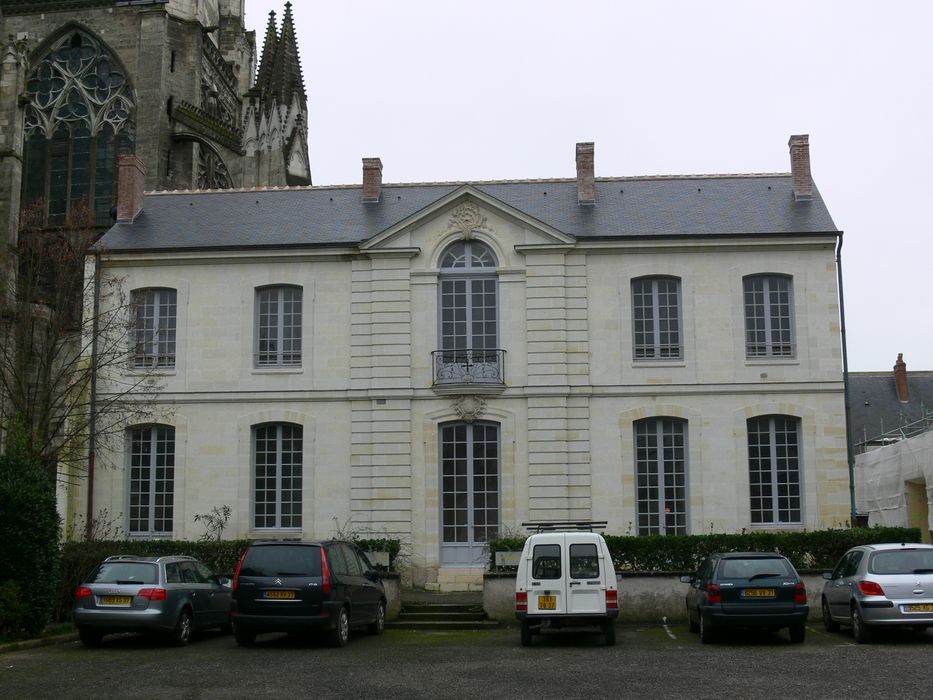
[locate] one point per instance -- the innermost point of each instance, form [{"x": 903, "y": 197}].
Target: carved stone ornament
[
  {"x": 469, "y": 408},
  {"x": 467, "y": 218}
]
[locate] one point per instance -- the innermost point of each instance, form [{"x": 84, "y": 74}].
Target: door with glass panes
[{"x": 470, "y": 482}]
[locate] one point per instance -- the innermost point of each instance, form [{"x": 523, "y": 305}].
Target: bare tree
[{"x": 62, "y": 326}]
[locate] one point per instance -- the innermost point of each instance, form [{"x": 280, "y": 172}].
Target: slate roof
[
  {"x": 703, "y": 205},
  {"x": 875, "y": 408}
]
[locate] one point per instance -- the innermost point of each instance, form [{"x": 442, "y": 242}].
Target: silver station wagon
[
  {"x": 170, "y": 596},
  {"x": 880, "y": 585}
]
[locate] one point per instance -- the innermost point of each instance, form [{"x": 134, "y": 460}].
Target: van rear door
[
  {"x": 547, "y": 592},
  {"x": 585, "y": 577}
]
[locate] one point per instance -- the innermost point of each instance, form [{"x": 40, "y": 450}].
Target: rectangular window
[
  {"x": 768, "y": 316},
  {"x": 278, "y": 327},
  {"x": 277, "y": 460},
  {"x": 661, "y": 476},
  {"x": 545, "y": 562},
  {"x": 656, "y": 318},
  {"x": 584, "y": 561},
  {"x": 152, "y": 480},
  {"x": 774, "y": 470},
  {"x": 154, "y": 311}
]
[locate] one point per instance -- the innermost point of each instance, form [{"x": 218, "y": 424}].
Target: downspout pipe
[
  {"x": 92, "y": 419},
  {"x": 850, "y": 450}
]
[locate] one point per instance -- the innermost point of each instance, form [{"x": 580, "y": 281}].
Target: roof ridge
[{"x": 462, "y": 183}]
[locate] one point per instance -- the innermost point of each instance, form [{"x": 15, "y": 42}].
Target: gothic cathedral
[{"x": 173, "y": 81}]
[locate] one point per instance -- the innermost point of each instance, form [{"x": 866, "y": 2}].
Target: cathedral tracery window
[{"x": 79, "y": 116}]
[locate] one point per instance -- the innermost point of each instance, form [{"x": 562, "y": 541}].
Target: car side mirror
[
  {"x": 222, "y": 580},
  {"x": 828, "y": 575},
  {"x": 686, "y": 579}
]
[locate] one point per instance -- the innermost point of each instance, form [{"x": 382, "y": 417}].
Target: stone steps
[{"x": 424, "y": 614}]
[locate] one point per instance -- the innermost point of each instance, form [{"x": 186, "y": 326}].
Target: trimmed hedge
[
  {"x": 80, "y": 558},
  {"x": 29, "y": 530},
  {"x": 818, "y": 549}
]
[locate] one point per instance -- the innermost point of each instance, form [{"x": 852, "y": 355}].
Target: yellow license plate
[
  {"x": 279, "y": 595},
  {"x": 547, "y": 602},
  {"x": 116, "y": 600},
  {"x": 920, "y": 607},
  {"x": 758, "y": 593}
]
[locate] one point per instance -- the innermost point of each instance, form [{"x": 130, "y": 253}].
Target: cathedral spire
[
  {"x": 287, "y": 81},
  {"x": 269, "y": 50}
]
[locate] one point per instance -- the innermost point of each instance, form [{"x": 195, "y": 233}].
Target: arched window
[
  {"x": 656, "y": 318},
  {"x": 774, "y": 469},
  {"x": 661, "y": 476},
  {"x": 151, "y": 479},
  {"x": 769, "y": 316},
  {"x": 277, "y": 475},
  {"x": 469, "y": 315},
  {"x": 79, "y": 115}
]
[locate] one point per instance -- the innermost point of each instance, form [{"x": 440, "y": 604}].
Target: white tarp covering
[{"x": 882, "y": 474}]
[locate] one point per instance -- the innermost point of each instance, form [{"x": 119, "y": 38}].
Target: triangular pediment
[{"x": 467, "y": 209}]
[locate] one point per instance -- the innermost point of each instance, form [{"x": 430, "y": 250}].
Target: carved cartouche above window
[{"x": 466, "y": 219}]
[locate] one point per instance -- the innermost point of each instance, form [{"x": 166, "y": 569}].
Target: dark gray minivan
[{"x": 326, "y": 586}]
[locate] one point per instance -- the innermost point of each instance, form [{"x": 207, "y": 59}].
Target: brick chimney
[
  {"x": 900, "y": 378},
  {"x": 131, "y": 179},
  {"x": 586, "y": 175},
  {"x": 800, "y": 167},
  {"x": 372, "y": 179}
]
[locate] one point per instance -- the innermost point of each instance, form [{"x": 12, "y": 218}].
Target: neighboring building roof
[
  {"x": 875, "y": 408},
  {"x": 703, "y": 205}
]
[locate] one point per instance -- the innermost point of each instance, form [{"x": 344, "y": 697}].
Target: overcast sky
[{"x": 503, "y": 89}]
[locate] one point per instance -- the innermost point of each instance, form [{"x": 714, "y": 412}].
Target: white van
[{"x": 566, "y": 579}]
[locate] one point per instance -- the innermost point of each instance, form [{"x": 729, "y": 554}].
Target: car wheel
[
  {"x": 609, "y": 630},
  {"x": 244, "y": 637},
  {"x": 378, "y": 625},
  {"x": 90, "y": 637},
  {"x": 797, "y": 633},
  {"x": 181, "y": 634},
  {"x": 707, "y": 635},
  {"x": 527, "y": 635},
  {"x": 340, "y": 635},
  {"x": 860, "y": 630},
  {"x": 692, "y": 624},
  {"x": 829, "y": 624}
]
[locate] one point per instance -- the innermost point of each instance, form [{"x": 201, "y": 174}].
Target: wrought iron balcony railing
[{"x": 469, "y": 367}]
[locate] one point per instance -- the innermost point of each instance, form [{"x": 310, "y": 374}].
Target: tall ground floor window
[
  {"x": 470, "y": 483},
  {"x": 774, "y": 469},
  {"x": 151, "y": 480},
  {"x": 661, "y": 476},
  {"x": 277, "y": 475}
]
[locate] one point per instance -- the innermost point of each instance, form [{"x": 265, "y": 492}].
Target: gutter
[
  {"x": 850, "y": 451},
  {"x": 92, "y": 422}
]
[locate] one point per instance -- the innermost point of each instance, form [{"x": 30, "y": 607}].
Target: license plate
[
  {"x": 547, "y": 602},
  {"x": 116, "y": 600},
  {"x": 919, "y": 607},
  {"x": 279, "y": 595},
  {"x": 758, "y": 593}
]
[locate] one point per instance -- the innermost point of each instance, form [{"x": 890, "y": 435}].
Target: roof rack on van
[{"x": 558, "y": 525}]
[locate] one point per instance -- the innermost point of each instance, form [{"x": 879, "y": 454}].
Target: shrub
[
  {"x": 29, "y": 552},
  {"x": 806, "y": 550}
]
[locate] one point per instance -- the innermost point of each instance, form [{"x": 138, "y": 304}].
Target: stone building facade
[{"x": 442, "y": 362}]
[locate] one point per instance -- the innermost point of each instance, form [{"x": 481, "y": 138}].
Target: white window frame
[
  {"x": 779, "y": 471},
  {"x": 653, "y": 318},
  {"x": 769, "y": 334},
  {"x": 156, "y": 489},
  {"x": 288, "y": 351},
  {"x": 154, "y": 335},
  {"x": 652, "y": 474},
  {"x": 278, "y": 484}
]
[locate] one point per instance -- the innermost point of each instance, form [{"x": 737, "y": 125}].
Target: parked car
[
  {"x": 566, "y": 579},
  {"x": 880, "y": 585},
  {"x": 746, "y": 589},
  {"x": 173, "y": 596},
  {"x": 328, "y": 586}
]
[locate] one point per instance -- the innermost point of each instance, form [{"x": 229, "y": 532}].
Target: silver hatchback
[
  {"x": 880, "y": 585},
  {"x": 172, "y": 596}
]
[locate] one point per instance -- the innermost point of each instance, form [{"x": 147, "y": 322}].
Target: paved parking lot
[{"x": 649, "y": 660}]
